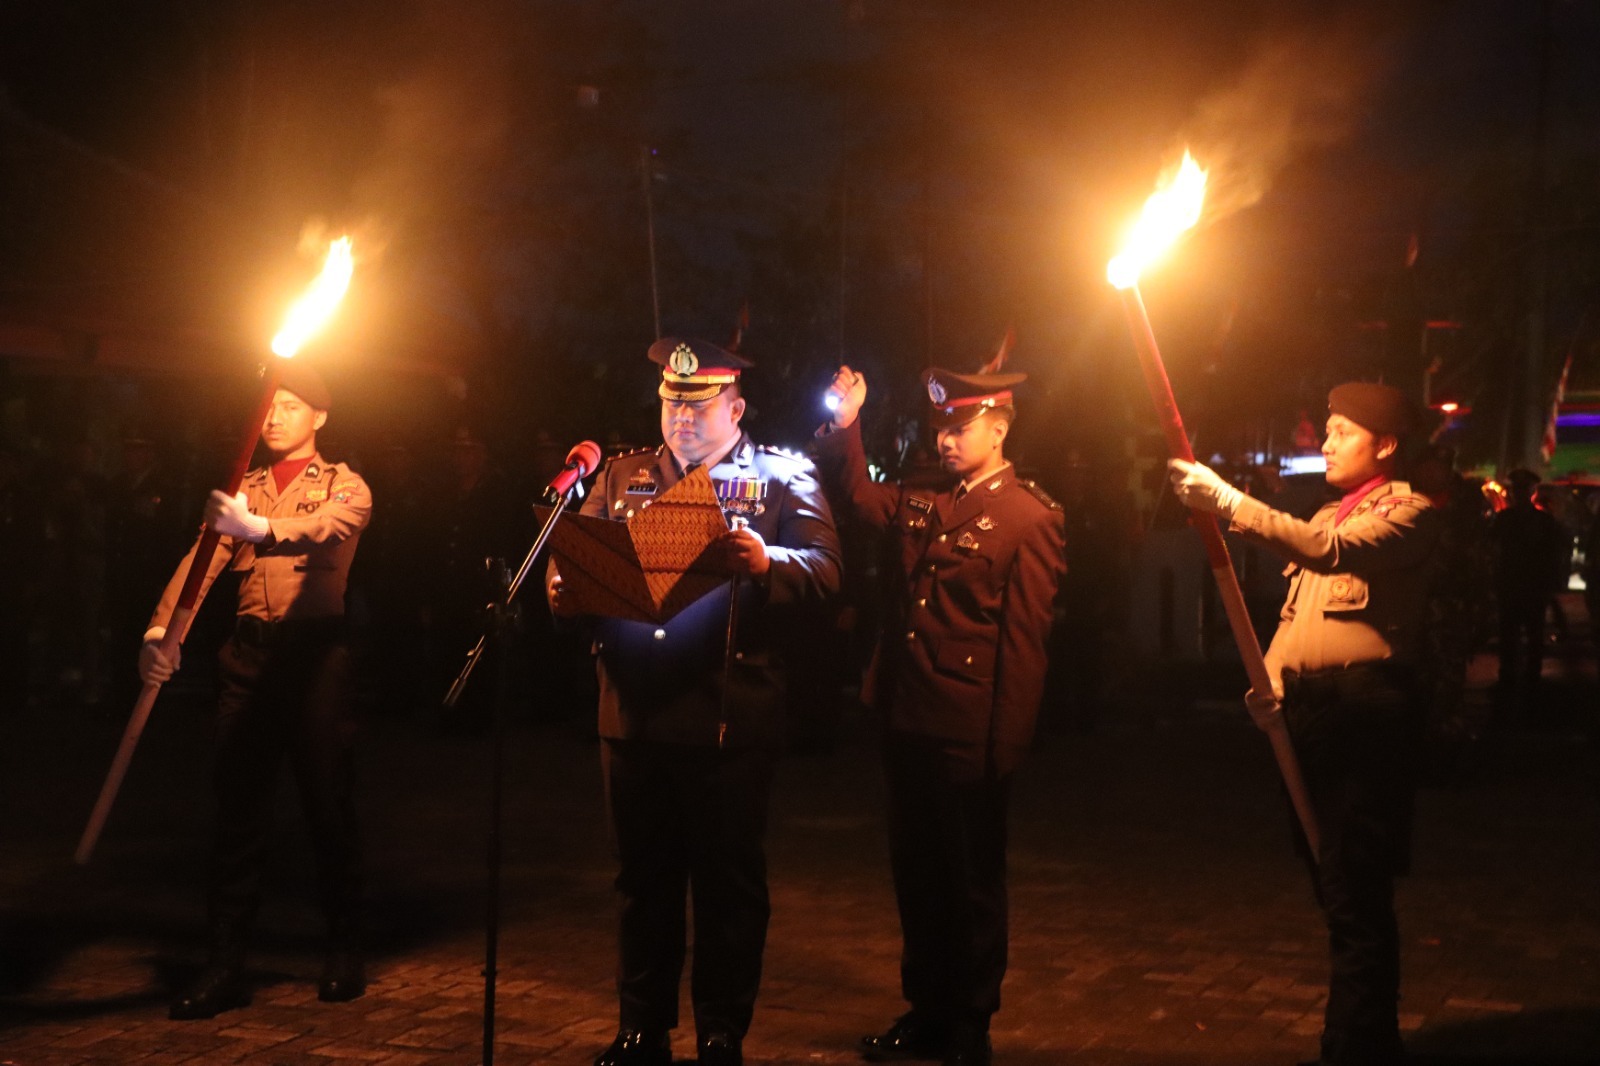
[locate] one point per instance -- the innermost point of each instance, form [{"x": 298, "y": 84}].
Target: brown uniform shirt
[
  {"x": 1357, "y": 591},
  {"x": 300, "y": 570},
  {"x": 963, "y": 654},
  {"x": 664, "y": 682}
]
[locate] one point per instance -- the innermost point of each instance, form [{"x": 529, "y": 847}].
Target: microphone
[{"x": 581, "y": 462}]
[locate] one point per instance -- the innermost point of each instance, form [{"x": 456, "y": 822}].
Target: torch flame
[
  {"x": 313, "y": 309},
  {"x": 1171, "y": 210}
]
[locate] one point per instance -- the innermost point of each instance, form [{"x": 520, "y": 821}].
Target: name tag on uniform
[
  {"x": 917, "y": 503},
  {"x": 742, "y": 496},
  {"x": 642, "y": 483}
]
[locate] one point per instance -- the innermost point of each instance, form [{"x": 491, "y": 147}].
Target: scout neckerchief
[
  {"x": 284, "y": 471},
  {"x": 1355, "y": 496}
]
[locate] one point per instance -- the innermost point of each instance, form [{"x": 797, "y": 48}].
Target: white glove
[
  {"x": 1199, "y": 487},
  {"x": 1265, "y": 710},
  {"x": 155, "y": 668},
  {"x": 230, "y": 516}
]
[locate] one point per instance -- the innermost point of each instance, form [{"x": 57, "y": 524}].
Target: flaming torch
[
  {"x": 1171, "y": 211},
  {"x": 306, "y": 316}
]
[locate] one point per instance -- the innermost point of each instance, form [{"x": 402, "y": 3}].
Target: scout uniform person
[
  {"x": 687, "y": 766},
  {"x": 285, "y": 688},
  {"x": 1343, "y": 664},
  {"x": 958, "y": 675}
]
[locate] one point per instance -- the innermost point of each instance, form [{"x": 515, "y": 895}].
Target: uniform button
[
  {"x": 912, "y": 635},
  {"x": 661, "y": 634},
  {"x": 932, "y": 569},
  {"x": 617, "y": 506},
  {"x": 943, "y": 537},
  {"x": 629, "y": 514},
  {"x": 969, "y": 660},
  {"x": 739, "y": 655},
  {"x": 922, "y": 602}
]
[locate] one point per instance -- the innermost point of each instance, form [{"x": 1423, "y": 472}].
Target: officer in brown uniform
[
  {"x": 285, "y": 688},
  {"x": 958, "y": 675},
  {"x": 1343, "y": 663},
  {"x": 689, "y": 739}
]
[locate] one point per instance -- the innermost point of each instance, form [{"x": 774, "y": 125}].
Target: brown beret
[
  {"x": 302, "y": 379},
  {"x": 1380, "y": 409}
]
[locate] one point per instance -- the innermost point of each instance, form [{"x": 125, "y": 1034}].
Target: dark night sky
[{"x": 1007, "y": 142}]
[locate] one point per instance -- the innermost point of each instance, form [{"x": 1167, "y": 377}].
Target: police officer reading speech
[
  {"x": 285, "y": 688},
  {"x": 687, "y": 765},
  {"x": 958, "y": 675},
  {"x": 1343, "y": 667}
]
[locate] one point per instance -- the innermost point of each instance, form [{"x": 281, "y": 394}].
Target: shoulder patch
[{"x": 1032, "y": 489}]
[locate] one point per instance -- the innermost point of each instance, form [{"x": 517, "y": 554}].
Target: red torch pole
[
  {"x": 178, "y": 625},
  {"x": 1244, "y": 634}
]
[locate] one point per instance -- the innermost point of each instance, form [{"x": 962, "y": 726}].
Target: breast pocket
[
  {"x": 966, "y": 658},
  {"x": 1345, "y": 592}
]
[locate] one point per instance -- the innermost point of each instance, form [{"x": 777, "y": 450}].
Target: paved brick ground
[{"x": 1158, "y": 916}]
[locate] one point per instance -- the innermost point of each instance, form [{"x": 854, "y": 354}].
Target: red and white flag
[{"x": 1547, "y": 447}]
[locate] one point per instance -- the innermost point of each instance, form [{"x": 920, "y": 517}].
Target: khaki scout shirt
[
  {"x": 1356, "y": 590},
  {"x": 300, "y": 570}
]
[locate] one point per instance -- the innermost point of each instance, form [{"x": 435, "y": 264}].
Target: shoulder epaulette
[
  {"x": 1384, "y": 507},
  {"x": 799, "y": 458},
  {"x": 1032, "y": 489},
  {"x": 629, "y": 455}
]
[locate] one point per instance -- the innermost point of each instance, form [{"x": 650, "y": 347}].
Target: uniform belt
[
  {"x": 1340, "y": 678},
  {"x": 263, "y": 633}
]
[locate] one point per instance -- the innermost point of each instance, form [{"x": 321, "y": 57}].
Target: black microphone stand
[{"x": 501, "y": 624}]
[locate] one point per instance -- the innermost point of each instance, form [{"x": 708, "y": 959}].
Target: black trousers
[
  {"x": 689, "y": 818},
  {"x": 1357, "y": 733},
  {"x": 1521, "y": 636},
  {"x": 286, "y": 698},
  {"x": 947, "y": 851}
]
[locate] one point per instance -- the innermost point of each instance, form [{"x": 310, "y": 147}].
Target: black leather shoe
[
  {"x": 912, "y": 1036},
  {"x": 968, "y": 1047},
  {"x": 219, "y": 987},
  {"x": 721, "y": 1049},
  {"x": 344, "y": 977},
  {"x": 635, "y": 1047}
]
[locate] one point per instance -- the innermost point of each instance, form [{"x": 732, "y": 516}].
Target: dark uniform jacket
[
  {"x": 1357, "y": 590},
  {"x": 301, "y": 569},
  {"x": 962, "y": 657},
  {"x": 664, "y": 682}
]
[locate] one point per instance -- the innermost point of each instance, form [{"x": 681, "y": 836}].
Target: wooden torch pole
[
  {"x": 178, "y": 624},
  {"x": 1255, "y": 665}
]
